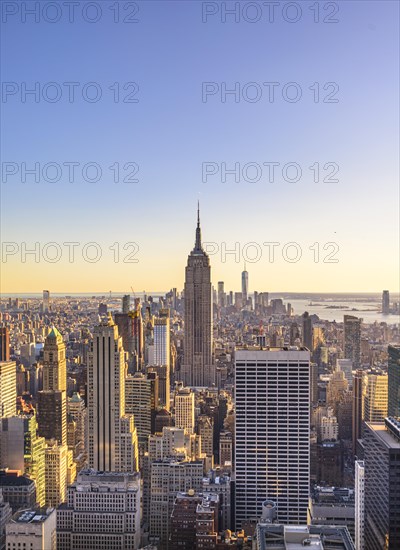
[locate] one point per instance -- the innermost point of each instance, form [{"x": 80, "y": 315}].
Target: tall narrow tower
[
  {"x": 52, "y": 400},
  {"x": 245, "y": 285},
  {"x": 198, "y": 367},
  {"x": 112, "y": 434}
]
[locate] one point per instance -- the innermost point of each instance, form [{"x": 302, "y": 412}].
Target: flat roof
[{"x": 383, "y": 434}]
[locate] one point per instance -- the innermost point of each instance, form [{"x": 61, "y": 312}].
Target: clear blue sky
[{"x": 170, "y": 132}]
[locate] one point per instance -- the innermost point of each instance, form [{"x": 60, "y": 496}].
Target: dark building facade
[
  {"x": 382, "y": 485},
  {"x": 4, "y": 344},
  {"x": 52, "y": 415},
  {"x": 394, "y": 381}
]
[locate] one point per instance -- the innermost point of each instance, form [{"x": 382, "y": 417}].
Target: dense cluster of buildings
[{"x": 199, "y": 420}]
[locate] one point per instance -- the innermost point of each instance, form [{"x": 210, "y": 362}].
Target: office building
[
  {"x": 376, "y": 398},
  {"x": 352, "y": 339},
  {"x": 332, "y": 506},
  {"x": 221, "y": 294},
  {"x": 220, "y": 484},
  {"x": 54, "y": 362},
  {"x": 346, "y": 365},
  {"x": 359, "y": 392},
  {"x": 194, "y": 521},
  {"x": 382, "y": 485},
  {"x": 307, "y": 331},
  {"x": 245, "y": 286},
  {"x": 394, "y": 380},
  {"x": 205, "y": 429},
  {"x": 77, "y": 412},
  {"x": 56, "y": 471},
  {"x": 126, "y": 303},
  {"x": 226, "y": 451},
  {"x": 385, "y": 302},
  {"x": 102, "y": 511},
  {"x": 8, "y": 389},
  {"x": 22, "y": 449},
  {"x": 168, "y": 478},
  {"x": 183, "y": 521},
  {"x": 18, "y": 490},
  {"x": 113, "y": 444},
  {"x": 184, "y": 409},
  {"x": 32, "y": 529},
  {"x": 138, "y": 402},
  {"x": 162, "y": 372},
  {"x": 198, "y": 367},
  {"x": 46, "y": 301},
  {"x": 4, "y": 344},
  {"x": 52, "y": 415},
  {"x": 359, "y": 505},
  {"x": 293, "y": 537},
  {"x": 162, "y": 346},
  {"x": 5, "y": 516},
  {"x": 272, "y": 432}
]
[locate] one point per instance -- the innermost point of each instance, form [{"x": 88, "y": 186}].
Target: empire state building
[{"x": 198, "y": 367}]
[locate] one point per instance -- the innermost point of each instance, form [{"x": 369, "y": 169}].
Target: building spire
[{"x": 197, "y": 245}]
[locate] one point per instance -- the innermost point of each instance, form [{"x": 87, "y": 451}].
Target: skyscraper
[
  {"x": 352, "y": 339},
  {"x": 4, "y": 344},
  {"x": 272, "y": 454},
  {"x": 376, "y": 398},
  {"x": 113, "y": 444},
  {"x": 52, "y": 415},
  {"x": 198, "y": 367},
  {"x": 126, "y": 303},
  {"x": 394, "y": 380},
  {"x": 52, "y": 400},
  {"x": 385, "y": 302},
  {"x": 382, "y": 485},
  {"x": 55, "y": 364},
  {"x": 245, "y": 285},
  {"x": 138, "y": 402},
  {"x": 8, "y": 389},
  {"x": 168, "y": 478},
  {"x": 307, "y": 331},
  {"x": 359, "y": 504},
  {"x": 162, "y": 339},
  {"x": 359, "y": 391},
  {"x": 102, "y": 511},
  {"x": 221, "y": 294},
  {"x": 46, "y": 301},
  {"x": 184, "y": 409}
]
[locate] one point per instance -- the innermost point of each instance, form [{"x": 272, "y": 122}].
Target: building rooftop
[
  {"x": 386, "y": 436},
  {"x": 54, "y": 333},
  {"x": 33, "y": 515},
  {"x": 7, "y": 480},
  {"x": 298, "y": 537},
  {"x": 271, "y": 348},
  {"x": 333, "y": 496}
]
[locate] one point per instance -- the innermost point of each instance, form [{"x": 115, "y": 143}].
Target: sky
[{"x": 148, "y": 106}]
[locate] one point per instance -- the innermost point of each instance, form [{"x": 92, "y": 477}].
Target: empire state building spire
[{"x": 197, "y": 246}]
